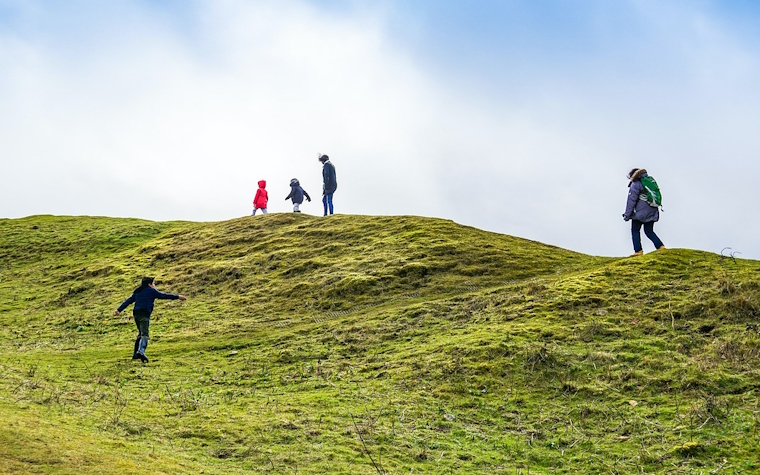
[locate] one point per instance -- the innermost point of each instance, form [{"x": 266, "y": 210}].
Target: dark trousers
[
  {"x": 648, "y": 230},
  {"x": 327, "y": 202},
  {"x": 142, "y": 320}
]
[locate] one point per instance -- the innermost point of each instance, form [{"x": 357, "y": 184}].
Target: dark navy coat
[{"x": 329, "y": 178}]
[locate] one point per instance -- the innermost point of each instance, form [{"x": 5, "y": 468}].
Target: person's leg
[
  {"x": 324, "y": 203},
  {"x": 296, "y": 207},
  {"x": 649, "y": 231},
  {"x": 142, "y": 320},
  {"x": 330, "y": 203},
  {"x": 143, "y": 345},
  {"x": 263, "y": 211},
  {"x": 137, "y": 340},
  {"x": 636, "y": 234},
  {"x": 254, "y": 212},
  {"x": 143, "y": 324}
]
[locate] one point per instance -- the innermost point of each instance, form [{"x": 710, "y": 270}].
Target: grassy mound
[{"x": 369, "y": 345}]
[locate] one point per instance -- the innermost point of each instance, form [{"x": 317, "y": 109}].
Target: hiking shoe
[
  {"x": 637, "y": 253},
  {"x": 661, "y": 247},
  {"x": 135, "y": 356},
  {"x": 142, "y": 357}
]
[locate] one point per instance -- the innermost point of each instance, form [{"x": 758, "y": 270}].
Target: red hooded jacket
[{"x": 261, "y": 198}]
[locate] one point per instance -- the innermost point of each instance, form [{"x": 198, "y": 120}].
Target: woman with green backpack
[{"x": 643, "y": 208}]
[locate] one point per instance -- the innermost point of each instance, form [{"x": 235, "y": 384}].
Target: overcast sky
[{"x": 516, "y": 116}]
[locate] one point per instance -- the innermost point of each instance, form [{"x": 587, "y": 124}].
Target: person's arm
[
  {"x": 289, "y": 195},
  {"x": 130, "y": 300},
  {"x": 308, "y": 198},
  {"x": 633, "y": 198},
  {"x": 256, "y": 197},
  {"x": 167, "y": 296}
]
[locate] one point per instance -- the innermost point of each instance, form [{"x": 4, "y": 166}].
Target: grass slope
[{"x": 369, "y": 345}]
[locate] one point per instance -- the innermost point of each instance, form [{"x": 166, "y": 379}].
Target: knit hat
[{"x": 323, "y": 158}]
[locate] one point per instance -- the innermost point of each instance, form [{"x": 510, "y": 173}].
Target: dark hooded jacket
[
  {"x": 636, "y": 207},
  {"x": 297, "y": 193},
  {"x": 329, "y": 178},
  {"x": 143, "y": 298}
]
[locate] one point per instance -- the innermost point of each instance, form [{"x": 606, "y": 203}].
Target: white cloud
[
  {"x": 164, "y": 121},
  {"x": 554, "y": 171},
  {"x": 277, "y": 83}
]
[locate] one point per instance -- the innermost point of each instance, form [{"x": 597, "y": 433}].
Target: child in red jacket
[{"x": 261, "y": 198}]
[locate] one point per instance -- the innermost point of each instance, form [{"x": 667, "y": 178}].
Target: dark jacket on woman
[
  {"x": 637, "y": 207},
  {"x": 329, "y": 178}
]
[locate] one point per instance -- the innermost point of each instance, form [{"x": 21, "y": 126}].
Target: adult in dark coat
[
  {"x": 640, "y": 212},
  {"x": 330, "y": 183}
]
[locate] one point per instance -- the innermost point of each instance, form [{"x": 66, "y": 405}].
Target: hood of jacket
[
  {"x": 294, "y": 182},
  {"x": 262, "y": 184},
  {"x": 641, "y": 172}
]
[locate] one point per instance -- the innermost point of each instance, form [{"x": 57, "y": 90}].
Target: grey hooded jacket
[
  {"x": 636, "y": 208},
  {"x": 296, "y": 192}
]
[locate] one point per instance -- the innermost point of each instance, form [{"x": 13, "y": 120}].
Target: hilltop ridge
[{"x": 357, "y": 344}]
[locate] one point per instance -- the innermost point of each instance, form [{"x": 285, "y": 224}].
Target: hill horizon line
[{"x": 732, "y": 256}]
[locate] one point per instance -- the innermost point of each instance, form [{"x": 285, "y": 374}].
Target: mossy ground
[{"x": 369, "y": 345}]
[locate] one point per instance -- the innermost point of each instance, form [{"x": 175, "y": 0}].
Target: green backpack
[{"x": 652, "y": 193}]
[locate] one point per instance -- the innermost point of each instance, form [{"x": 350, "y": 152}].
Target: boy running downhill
[{"x": 143, "y": 298}]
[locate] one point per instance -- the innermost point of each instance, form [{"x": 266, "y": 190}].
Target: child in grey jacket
[{"x": 297, "y": 194}]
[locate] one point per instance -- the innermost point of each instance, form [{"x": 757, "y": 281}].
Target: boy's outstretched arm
[
  {"x": 167, "y": 296},
  {"x": 289, "y": 195},
  {"x": 130, "y": 300},
  {"x": 308, "y": 198}
]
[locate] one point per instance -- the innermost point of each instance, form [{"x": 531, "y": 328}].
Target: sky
[{"x": 521, "y": 117}]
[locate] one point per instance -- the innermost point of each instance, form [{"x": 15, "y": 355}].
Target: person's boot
[
  {"x": 661, "y": 247},
  {"x": 637, "y": 253},
  {"x": 141, "y": 349},
  {"x": 137, "y": 347}
]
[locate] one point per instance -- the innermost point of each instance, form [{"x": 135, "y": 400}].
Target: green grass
[{"x": 369, "y": 345}]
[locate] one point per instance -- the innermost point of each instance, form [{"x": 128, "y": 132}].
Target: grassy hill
[{"x": 369, "y": 345}]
